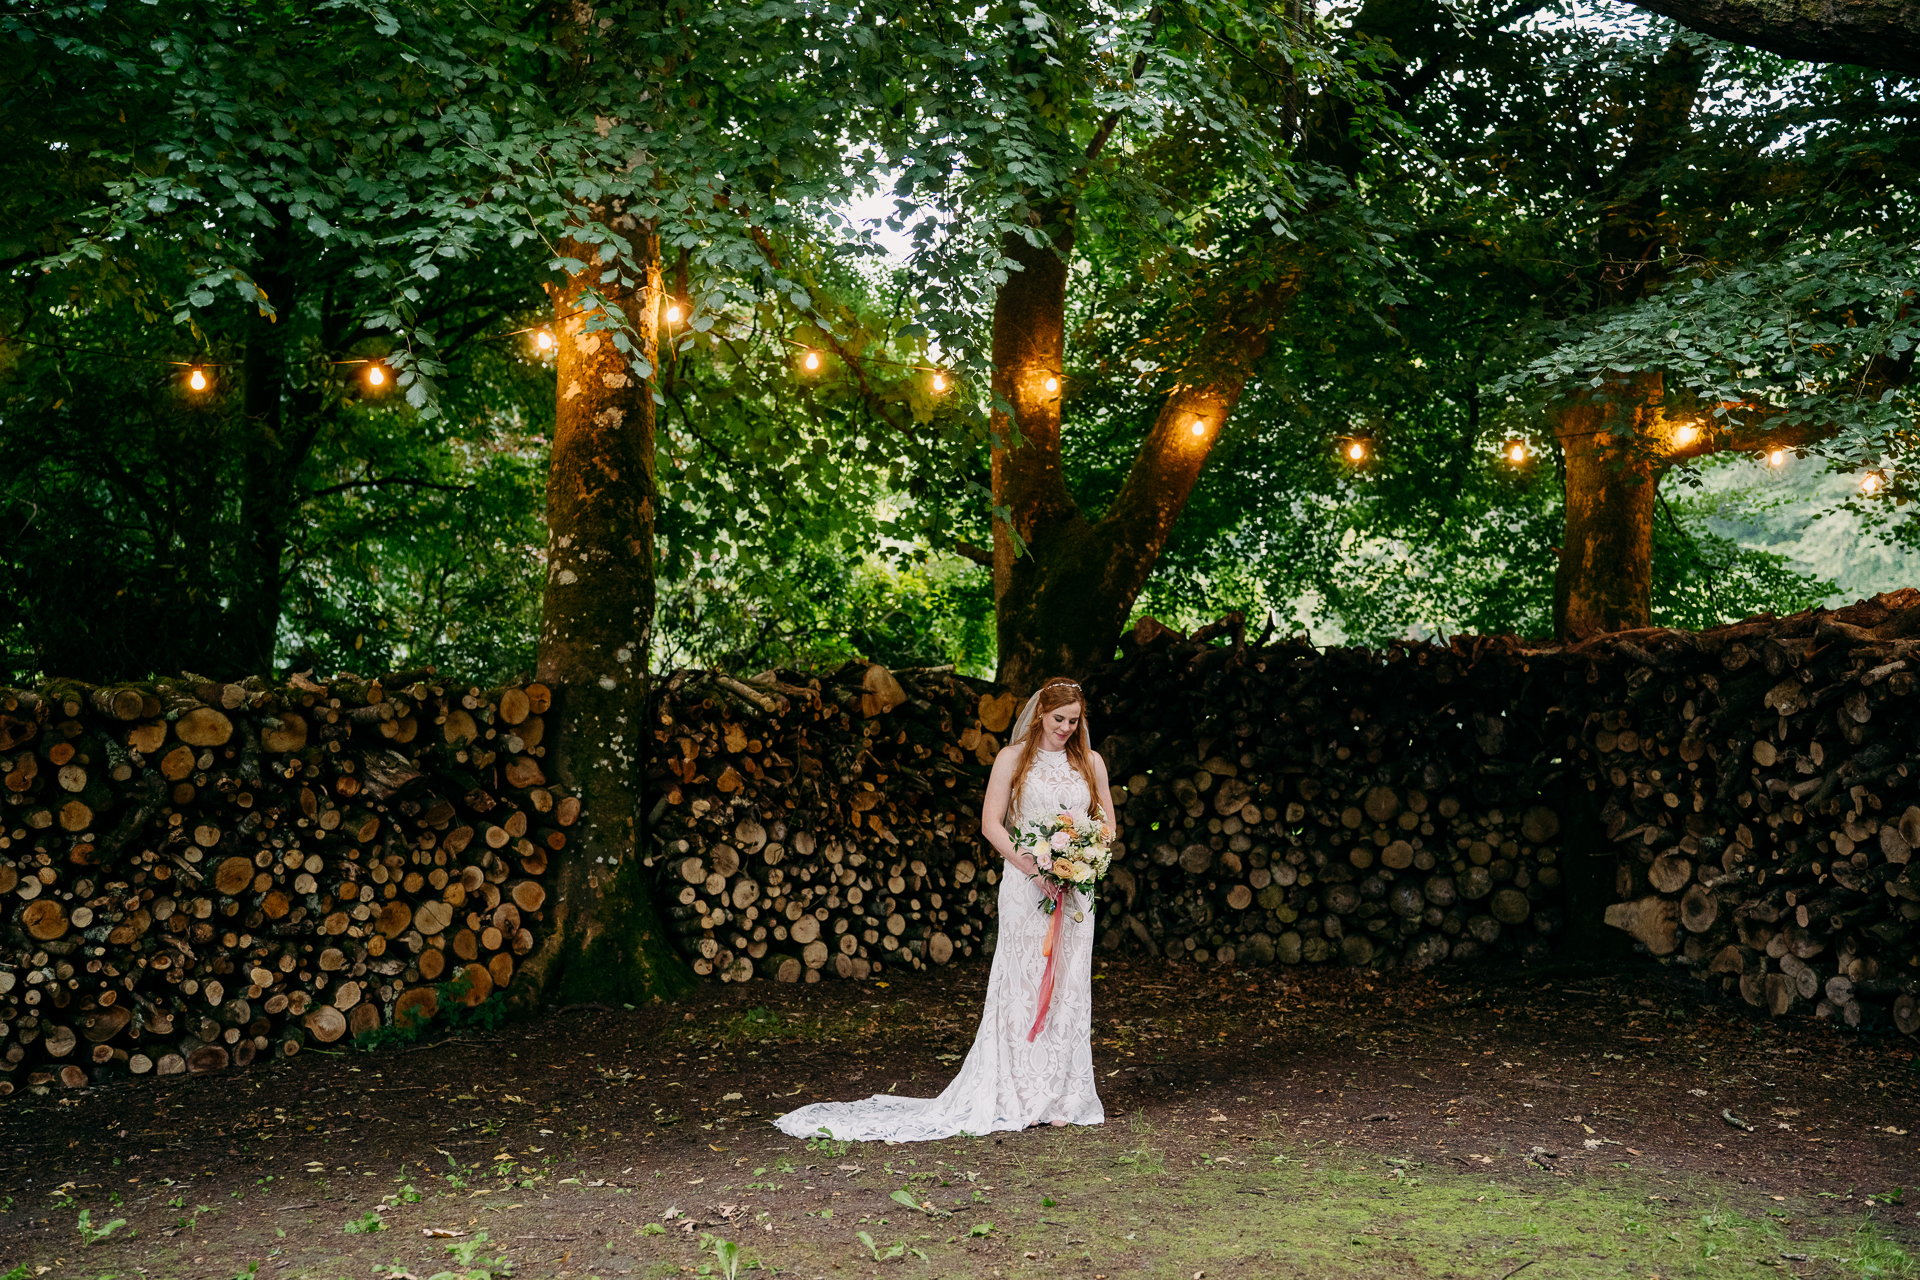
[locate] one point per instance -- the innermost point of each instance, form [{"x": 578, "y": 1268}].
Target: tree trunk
[
  {"x": 1604, "y": 581},
  {"x": 1068, "y": 598},
  {"x": 1029, "y": 352},
  {"x": 1064, "y": 585},
  {"x": 278, "y": 436},
  {"x": 1868, "y": 33},
  {"x": 605, "y": 942}
]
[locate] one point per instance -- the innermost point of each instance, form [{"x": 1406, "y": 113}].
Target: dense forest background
[{"x": 1390, "y": 470}]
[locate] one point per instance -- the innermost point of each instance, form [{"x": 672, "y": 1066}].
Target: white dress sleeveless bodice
[{"x": 1006, "y": 1082}]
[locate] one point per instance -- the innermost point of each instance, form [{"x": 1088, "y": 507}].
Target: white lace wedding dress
[{"x": 1006, "y": 1082}]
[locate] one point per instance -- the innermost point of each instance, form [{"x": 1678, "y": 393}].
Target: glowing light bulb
[
  {"x": 377, "y": 376},
  {"x": 1685, "y": 434},
  {"x": 1356, "y": 451},
  {"x": 811, "y": 360},
  {"x": 543, "y": 340},
  {"x": 1870, "y": 483},
  {"x": 1198, "y": 427},
  {"x": 1516, "y": 452},
  {"x": 197, "y": 379},
  {"x": 939, "y": 382},
  {"x": 673, "y": 313},
  {"x": 1053, "y": 383},
  {"x": 1776, "y": 457}
]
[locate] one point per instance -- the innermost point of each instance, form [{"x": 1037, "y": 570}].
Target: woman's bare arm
[
  {"x": 1105, "y": 795},
  {"x": 993, "y": 813}
]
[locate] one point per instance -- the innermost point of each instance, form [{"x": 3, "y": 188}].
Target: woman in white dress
[{"x": 1023, "y": 1069}]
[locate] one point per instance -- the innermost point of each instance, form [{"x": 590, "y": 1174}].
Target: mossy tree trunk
[
  {"x": 1604, "y": 580},
  {"x": 1064, "y": 584},
  {"x": 604, "y": 941},
  {"x": 1615, "y": 452}
]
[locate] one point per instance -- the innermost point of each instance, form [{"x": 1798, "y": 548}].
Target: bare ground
[{"x": 1294, "y": 1123}]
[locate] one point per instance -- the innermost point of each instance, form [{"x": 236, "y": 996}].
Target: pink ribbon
[{"x": 1047, "y": 949}]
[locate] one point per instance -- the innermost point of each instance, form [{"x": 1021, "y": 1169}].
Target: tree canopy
[{"x": 1471, "y": 216}]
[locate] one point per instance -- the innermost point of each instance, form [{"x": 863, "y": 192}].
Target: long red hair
[{"x": 1054, "y": 694}]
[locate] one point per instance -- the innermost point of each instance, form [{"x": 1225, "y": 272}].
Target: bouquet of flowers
[{"x": 1072, "y": 853}]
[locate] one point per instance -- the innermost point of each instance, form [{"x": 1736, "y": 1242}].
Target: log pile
[
  {"x": 1294, "y": 805},
  {"x": 823, "y": 826},
  {"x": 195, "y": 874},
  {"x": 1761, "y": 782},
  {"x": 1757, "y": 788},
  {"x": 1278, "y": 805}
]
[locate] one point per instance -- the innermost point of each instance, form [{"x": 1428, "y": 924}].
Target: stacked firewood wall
[
  {"x": 1761, "y": 783},
  {"x": 1755, "y": 787},
  {"x": 1290, "y": 804},
  {"x": 1278, "y": 805},
  {"x": 195, "y": 874},
  {"x": 810, "y": 827}
]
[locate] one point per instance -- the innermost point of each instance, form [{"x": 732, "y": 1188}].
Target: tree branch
[
  {"x": 1869, "y": 33},
  {"x": 1108, "y": 125},
  {"x": 1204, "y": 395},
  {"x": 1408, "y": 86},
  {"x": 976, "y": 554}
]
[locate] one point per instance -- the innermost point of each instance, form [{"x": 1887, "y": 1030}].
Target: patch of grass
[
  {"x": 466, "y": 1253},
  {"x": 94, "y": 1235},
  {"x": 828, "y": 1145},
  {"x": 1874, "y": 1257},
  {"x": 726, "y": 1256},
  {"x": 1142, "y": 1161},
  {"x": 889, "y": 1252},
  {"x": 760, "y": 1023}
]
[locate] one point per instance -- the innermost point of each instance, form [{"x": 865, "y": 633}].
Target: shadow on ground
[{"x": 1261, "y": 1124}]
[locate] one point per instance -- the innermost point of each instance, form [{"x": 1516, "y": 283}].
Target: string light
[
  {"x": 1357, "y": 451},
  {"x": 1199, "y": 428},
  {"x": 197, "y": 379},
  {"x": 1516, "y": 451},
  {"x": 1053, "y": 384},
  {"x": 376, "y": 376},
  {"x": 1685, "y": 434},
  {"x": 543, "y": 340},
  {"x": 811, "y": 360},
  {"x": 1776, "y": 457},
  {"x": 939, "y": 382},
  {"x": 673, "y": 313},
  {"x": 1870, "y": 483}
]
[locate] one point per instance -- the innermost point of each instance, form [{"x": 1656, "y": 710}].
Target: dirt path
[{"x": 1319, "y": 1123}]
